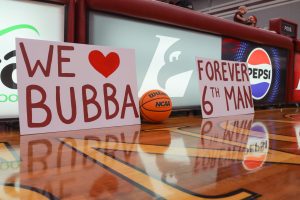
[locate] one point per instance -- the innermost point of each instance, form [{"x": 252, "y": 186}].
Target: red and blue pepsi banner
[{"x": 267, "y": 69}]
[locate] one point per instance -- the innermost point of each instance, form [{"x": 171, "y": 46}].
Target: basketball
[{"x": 155, "y": 106}]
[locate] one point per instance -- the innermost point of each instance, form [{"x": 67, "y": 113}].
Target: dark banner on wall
[{"x": 267, "y": 69}]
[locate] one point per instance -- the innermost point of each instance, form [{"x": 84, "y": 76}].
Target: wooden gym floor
[{"x": 240, "y": 157}]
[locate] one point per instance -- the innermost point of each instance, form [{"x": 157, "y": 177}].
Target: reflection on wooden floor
[{"x": 240, "y": 157}]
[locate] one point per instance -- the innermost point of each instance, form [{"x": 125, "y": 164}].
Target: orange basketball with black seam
[{"x": 155, "y": 106}]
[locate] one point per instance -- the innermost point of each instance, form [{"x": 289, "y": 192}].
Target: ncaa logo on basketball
[{"x": 260, "y": 72}]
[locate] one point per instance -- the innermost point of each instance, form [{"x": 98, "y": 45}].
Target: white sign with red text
[
  {"x": 65, "y": 86},
  {"x": 224, "y": 88}
]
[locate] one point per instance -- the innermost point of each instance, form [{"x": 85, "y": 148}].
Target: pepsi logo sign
[{"x": 260, "y": 72}]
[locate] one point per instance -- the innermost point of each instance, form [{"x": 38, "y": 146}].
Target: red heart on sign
[{"x": 105, "y": 65}]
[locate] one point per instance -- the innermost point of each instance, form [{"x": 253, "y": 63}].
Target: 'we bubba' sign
[{"x": 65, "y": 86}]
